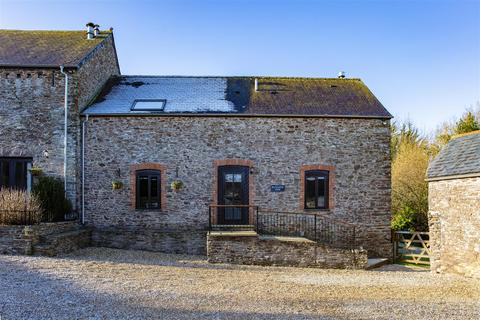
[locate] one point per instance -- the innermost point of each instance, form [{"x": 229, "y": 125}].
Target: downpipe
[
  {"x": 65, "y": 141},
  {"x": 84, "y": 125}
]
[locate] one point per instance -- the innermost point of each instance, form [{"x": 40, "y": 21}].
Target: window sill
[
  {"x": 317, "y": 210},
  {"x": 152, "y": 210}
]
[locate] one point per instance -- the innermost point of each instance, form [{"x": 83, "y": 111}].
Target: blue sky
[{"x": 421, "y": 58}]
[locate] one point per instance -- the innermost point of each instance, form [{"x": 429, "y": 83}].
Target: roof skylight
[{"x": 149, "y": 105}]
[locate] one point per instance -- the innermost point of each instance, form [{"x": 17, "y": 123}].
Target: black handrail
[
  {"x": 314, "y": 226},
  {"x": 212, "y": 218},
  {"x": 19, "y": 217}
]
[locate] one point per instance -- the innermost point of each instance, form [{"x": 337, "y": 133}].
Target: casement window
[
  {"x": 316, "y": 189},
  {"x": 148, "y": 189},
  {"x": 14, "y": 173}
]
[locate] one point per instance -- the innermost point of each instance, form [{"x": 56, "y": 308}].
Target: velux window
[
  {"x": 148, "y": 189},
  {"x": 316, "y": 189},
  {"x": 152, "y": 105},
  {"x": 14, "y": 173}
]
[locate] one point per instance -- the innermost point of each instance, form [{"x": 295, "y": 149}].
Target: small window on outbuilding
[
  {"x": 148, "y": 189},
  {"x": 316, "y": 189},
  {"x": 152, "y": 105}
]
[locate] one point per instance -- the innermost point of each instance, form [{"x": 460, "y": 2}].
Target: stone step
[
  {"x": 242, "y": 227},
  {"x": 376, "y": 263}
]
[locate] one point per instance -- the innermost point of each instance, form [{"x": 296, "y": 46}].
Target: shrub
[
  {"x": 408, "y": 219},
  {"x": 19, "y": 207},
  {"x": 51, "y": 193}
]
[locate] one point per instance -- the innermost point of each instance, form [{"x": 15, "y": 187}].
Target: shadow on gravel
[
  {"x": 45, "y": 295},
  {"x": 149, "y": 258},
  {"x": 399, "y": 268}
]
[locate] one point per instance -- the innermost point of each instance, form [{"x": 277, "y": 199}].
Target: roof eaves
[
  {"x": 38, "y": 66},
  {"x": 235, "y": 115},
  {"x": 454, "y": 176}
]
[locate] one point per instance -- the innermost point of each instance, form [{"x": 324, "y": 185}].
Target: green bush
[
  {"x": 404, "y": 220},
  {"x": 51, "y": 193}
]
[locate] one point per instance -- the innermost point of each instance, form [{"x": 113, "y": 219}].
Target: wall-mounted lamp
[{"x": 45, "y": 153}]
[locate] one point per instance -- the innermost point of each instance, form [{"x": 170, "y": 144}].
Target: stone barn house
[
  {"x": 454, "y": 207},
  {"x": 154, "y": 162}
]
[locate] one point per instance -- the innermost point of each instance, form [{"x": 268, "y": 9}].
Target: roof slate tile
[
  {"x": 21, "y": 48},
  {"x": 237, "y": 95},
  {"x": 460, "y": 156}
]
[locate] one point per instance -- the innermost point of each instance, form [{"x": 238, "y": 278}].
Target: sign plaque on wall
[{"x": 277, "y": 188}]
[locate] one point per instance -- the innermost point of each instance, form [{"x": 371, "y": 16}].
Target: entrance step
[
  {"x": 376, "y": 263},
  {"x": 241, "y": 227}
]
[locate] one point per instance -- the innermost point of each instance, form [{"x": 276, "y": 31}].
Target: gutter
[
  {"x": 65, "y": 141},
  {"x": 231, "y": 115}
]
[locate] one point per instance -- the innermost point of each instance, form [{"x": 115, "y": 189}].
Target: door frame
[
  {"x": 251, "y": 185},
  {"x": 245, "y": 193}
]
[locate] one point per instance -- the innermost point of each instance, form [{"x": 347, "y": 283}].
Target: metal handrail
[
  {"x": 18, "y": 217},
  {"x": 306, "y": 213},
  {"x": 312, "y": 225},
  {"x": 232, "y": 206},
  {"x": 215, "y": 206},
  {"x": 27, "y": 217},
  {"x": 316, "y": 227}
]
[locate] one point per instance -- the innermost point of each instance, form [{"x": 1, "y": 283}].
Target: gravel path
[{"x": 97, "y": 283}]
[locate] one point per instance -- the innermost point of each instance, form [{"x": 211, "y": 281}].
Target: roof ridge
[
  {"x": 43, "y": 30},
  {"x": 239, "y": 77}
]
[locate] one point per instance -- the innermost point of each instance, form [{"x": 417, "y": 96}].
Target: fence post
[
  {"x": 394, "y": 244},
  {"x": 315, "y": 227}
]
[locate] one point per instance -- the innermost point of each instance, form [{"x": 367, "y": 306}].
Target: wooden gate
[{"x": 411, "y": 247}]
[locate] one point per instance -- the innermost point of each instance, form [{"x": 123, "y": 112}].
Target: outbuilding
[{"x": 454, "y": 207}]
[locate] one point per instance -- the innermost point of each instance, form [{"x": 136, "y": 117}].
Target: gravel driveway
[{"x": 97, "y": 283}]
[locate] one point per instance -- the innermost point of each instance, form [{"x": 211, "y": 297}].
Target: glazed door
[{"x": 233, "y": 190}]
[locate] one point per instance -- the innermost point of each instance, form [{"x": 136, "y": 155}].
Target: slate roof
[
  {"x": 47, "y": 49},
  {"x": 275, "y": 96},
  {"x": 460, "y": 156}
]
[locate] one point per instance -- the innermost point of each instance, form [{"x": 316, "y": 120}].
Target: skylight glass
[{"x": 149, "y": 105}]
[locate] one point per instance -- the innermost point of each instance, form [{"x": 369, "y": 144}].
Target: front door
[{"x": 232, "y": 191}]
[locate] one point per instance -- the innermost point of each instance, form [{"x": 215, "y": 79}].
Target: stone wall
[
  {"x": 24, "y": 239},
  {"x": 32, "y": 111},
  {"x": 249, "y": 248},
  {"x": 277, "y": 147},
  {"x": 170, "y": 240},
  {"x": 454, "y": 223}
]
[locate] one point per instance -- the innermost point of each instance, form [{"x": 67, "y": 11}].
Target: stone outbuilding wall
[
  {"x": 277, "y": 147},
  {"x": 32, "y": 111},
  {"x": 454, "y": 222},
  {"x": 250, "y": 248}
]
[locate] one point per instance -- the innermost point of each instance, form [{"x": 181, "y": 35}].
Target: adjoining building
[{"x": 454, "y": 207}]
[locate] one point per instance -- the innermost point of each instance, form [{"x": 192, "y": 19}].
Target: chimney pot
[
  {"x": 96, "y": 30},
  {"x": 90, "y": 33},
  {"x": 341, "y": 75},
  {"x": 256, "y": 84}
]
